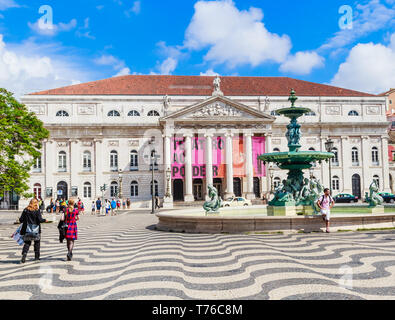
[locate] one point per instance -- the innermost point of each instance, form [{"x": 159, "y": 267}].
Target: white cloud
[
  {"x": 168, "y": 66},
  {"x": 210, "y": 73},
  {"x": 369, "y": 67},
  {"x": 6, "y": 4},
  {"x": 53, "y": 29},
  {"x": 136, "y": 9},
  {"x": 123, "y": 72},
  {"x": 302, "y": 63},
  {"x": 234, "y": 37},
  {"x": 367, "y": 18},
  {"x": 28, "y": 67}
]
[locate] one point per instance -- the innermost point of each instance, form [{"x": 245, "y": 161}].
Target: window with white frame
[
  {"x": 37, "y": 165},
  {"x": 62, "y": 113},
  {"x": 134, "y": 189},
  {"x": 134, "y": 113},
  {"x": 153, "y": 113},
  {"x": 376, "y": 179},
  {"x": 113, "y": 113},
  {"x": 62, "y": 161},
  {"x": 276, "y": 182},
  {"x": 114, "y": 189},
  {"x": 37, "y": 191},
  {"x": 355, "y": 157},
  {"x": 335, "y": 159},
  {"x": 134, "y": 160},
  {"x": 156, "y": 188},
  {"x": 335, "y": 183},
  {"x": 375, "y": 156},
  {"x": 353, "y": 113},
  {"x": 87, "y": 162},
  {"x": 87, "y": 190},
  {"x": 114, "y": 161}
]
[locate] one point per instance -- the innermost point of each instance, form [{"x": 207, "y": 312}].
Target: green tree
[{"x": 21, "y": 136}]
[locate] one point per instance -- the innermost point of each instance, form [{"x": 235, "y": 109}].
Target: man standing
[
  {"x": 98, "y": 205},
  {"x": 326, "y": 203},
  {"x": 113, "y": 206}
]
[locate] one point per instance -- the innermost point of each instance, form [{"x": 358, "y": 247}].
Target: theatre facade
[{"x": 202, "y": 130}]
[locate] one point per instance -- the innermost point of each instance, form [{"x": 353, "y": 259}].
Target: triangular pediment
[{"x": 218, "y": 108}]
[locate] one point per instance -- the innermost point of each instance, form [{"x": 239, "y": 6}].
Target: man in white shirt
[{"x": 326, "y": 203}]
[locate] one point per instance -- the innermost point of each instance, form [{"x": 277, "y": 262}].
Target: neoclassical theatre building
[{"x": 202, "y": 130}]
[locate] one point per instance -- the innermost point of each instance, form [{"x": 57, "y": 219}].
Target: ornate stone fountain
[{"x": 296, "y": 193}]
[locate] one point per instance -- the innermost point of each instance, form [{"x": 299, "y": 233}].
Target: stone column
[
  {"x": 168, "y": 201},
  {"x": 49, "y": 167},
  {"x": 209, "y": 161},
  {"x": 99, "y": 167},
  {"x": 346, "y": 164},
  {"x": 366, "y": 180},
  {"x": 229, "y": 165},
  {"x": 325, "y": 166},
  {"x": 188, "y": 169},
  {"x": 265, "y": 184},
  {"x": 249, "y": 166},
  {"x": 385, "y": 164},
  {"x": 75, "y": 161}
]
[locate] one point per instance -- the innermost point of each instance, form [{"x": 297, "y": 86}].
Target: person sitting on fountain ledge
[{"x": 326, "y": 203}]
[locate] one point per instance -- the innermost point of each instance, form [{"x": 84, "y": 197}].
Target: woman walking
[
  {"x": 71, "y": 218},
  {"x": 31, "y": 220}
]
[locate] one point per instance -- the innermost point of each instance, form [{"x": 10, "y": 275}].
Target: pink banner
[{"x": 219, "y": 157}]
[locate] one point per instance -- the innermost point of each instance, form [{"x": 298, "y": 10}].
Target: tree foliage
[{"x": 21, "y": 136}]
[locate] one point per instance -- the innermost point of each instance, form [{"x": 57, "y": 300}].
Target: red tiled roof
[{"x": 202, "y": 86}]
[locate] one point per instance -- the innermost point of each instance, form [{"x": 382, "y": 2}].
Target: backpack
[{"x": 323, "y": 197}]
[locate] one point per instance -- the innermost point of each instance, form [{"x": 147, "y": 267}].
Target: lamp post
[
  {"x": 329, "y": 147},
  {"x": 271, "y": 174},
  {"x": 153, "y": 159},
  {"x": 120, "y": 185},
  {"x": 168, "y": 177}
]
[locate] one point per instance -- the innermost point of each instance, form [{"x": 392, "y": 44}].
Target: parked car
[
  {"x": 236, "y": 202},
  {"x": 388, "y": 197},
  {"x": 345, "y": 198}
]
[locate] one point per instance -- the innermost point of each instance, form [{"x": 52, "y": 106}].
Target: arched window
[
  {"x": 133, "y": 113},
  {"x": 353, "y": 113},
  {"x": 335, "y": 159},
  {"x": 114, "y": 160},
  {"x": 134, "y": 161},
  {"x": 335, "y": 183},
  {"x": 87, "y": 190},
  {"x": 37, "y": 191},
  {"x": 311, "y": 114},
  {"x": 114, "y": 189},
  {"x": 276, "y": 150},
  {"x": 376, "y": 179},
  {"x": 113, "y": 113},
  {"x": 276, "y": 182},
  {"x": 355, "y": 157},
  {"x": 156, "y": 187},
  {"x": 62, "y": 163},
  {"x": 153, "y": 113},
  {"x": 62, "y": 113},
  {"x": 134, "y": 189},
  {"x": 37, "y": 165},
  {"x": 375, "y": 156},
  {"x": 156, "y": 167},
  {"x": 314, "y": 164},
  {"x": 87, "y": 162}
]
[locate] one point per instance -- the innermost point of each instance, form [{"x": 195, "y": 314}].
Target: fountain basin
[
  {"x": 295, "y": 159},
  {"x": 195, "y": 221}
]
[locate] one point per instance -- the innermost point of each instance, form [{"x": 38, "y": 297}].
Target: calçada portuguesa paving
[{"x": 123, "y": 257}]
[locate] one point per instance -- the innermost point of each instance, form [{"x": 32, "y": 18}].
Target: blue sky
[{"x": 92, "y": 40}]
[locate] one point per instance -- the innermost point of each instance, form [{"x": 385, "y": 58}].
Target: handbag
[{"x": 32, "y": 232}]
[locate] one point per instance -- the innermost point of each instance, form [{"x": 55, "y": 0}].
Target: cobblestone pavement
[{"x": 123, "y": 257}]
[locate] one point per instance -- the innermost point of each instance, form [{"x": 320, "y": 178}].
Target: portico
[{"x": 214, "y": 142}]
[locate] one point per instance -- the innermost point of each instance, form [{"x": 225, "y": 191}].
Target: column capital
[
  {"x": 365, "y": 137},
  {"x": 229, "y": 134},
  {"x": 385, "y": 137},
  {"x": 98, "y": 140},
  {"x": 209, "y": 135},
  {"x": 344, "y": 137},
  {"x": 268, "y": 134},
  {"x": 167, "y": 135},
  {"x": 248, "y": 134},
  {"x": 188, "y": 135}
]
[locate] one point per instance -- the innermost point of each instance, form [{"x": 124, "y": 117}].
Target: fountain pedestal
[
  {"x": 376, "y": 209},
  {"x": 284, "y": 211}
]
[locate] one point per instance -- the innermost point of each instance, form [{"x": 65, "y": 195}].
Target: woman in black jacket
[{"x": 31, "y": 215}]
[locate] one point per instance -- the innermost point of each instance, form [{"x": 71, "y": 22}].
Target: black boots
[
  {"x": 23, "y": 260},
  {"x": 69, "y": 256},
  {"x": 36, "y": 256}
]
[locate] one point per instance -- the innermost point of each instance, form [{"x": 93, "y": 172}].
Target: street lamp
[
  {"x": 168, "y": 177},
  {"x": 271, "y": 174},
  {"x": 153, "y": 159},
  {"x": 329, "y": 147},
  {"x": 120, "y": 183}
]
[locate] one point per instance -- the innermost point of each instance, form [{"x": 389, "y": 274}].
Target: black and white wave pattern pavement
[{"x": 120, "y": 258}]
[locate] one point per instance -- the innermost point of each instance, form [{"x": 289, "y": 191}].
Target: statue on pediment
[{"x": 217, "y": 86}]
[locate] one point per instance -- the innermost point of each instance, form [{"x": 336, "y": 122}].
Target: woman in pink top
[{"x": 326, "y": 203}]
